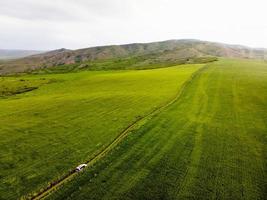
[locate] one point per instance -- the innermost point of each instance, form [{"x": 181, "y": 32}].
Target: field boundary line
[{"x": 56, "y": 184}]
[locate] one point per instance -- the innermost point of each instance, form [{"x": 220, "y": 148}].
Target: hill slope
[
  {"x": 51, "y": 123},
  {"x": 209, "y": 144},
  {"x": 171, "y": 51}
]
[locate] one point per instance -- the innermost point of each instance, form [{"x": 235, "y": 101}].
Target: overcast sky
[{"x": 52, "y": 24}]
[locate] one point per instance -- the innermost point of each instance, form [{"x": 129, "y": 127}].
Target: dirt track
[{"x": 54, "y": 185}]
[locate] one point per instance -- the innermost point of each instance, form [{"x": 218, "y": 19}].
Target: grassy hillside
[
  {"x": 129, "y": 63},
  {"x": 210, "y": 144},
  {"x": 51, "y": 123},
  {"x": 140, "y": 55}
]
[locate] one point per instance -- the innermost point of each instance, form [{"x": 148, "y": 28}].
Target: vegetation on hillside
[
  {"x": 210, "y": 144},
  {"x": 129, "y": 63},
  {"x": 137, "y": 55},
  {"x": 9, "y": 87},
  {"x": 71, "y": 117}
]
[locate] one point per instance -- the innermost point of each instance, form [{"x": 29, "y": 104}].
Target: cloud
[
  {"x": 35, "y": 10},
  {"x": 63, "y": 10},
  {"x": 50, "y": 24}
]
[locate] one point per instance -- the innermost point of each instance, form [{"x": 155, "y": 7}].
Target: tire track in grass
[{"x": 56, "y": 184}]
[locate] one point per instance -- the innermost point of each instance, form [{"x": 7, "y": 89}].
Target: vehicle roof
[{"x": 81, "y": 165}]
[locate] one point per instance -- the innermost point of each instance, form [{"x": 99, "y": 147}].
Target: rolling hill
[
  {"x": 186, "y": 131},
  {"x": 138, "y": 55},
  {"x": 51, "y": 122},
  {"x": 194, "y": 131},
  {"x": 208, "y": 144}
]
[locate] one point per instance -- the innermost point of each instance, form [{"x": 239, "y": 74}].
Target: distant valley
[{"x": 14, "y": 54}]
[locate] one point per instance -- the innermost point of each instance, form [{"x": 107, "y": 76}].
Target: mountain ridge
[{"x": 171, "y": 51}]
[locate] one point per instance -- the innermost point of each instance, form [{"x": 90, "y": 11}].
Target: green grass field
[
  {"x": 51, "y": 123},
  {"x": 209, "y": 144}
]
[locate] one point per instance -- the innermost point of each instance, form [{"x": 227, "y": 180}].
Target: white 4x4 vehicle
[{"x": 80, "y": 167}]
